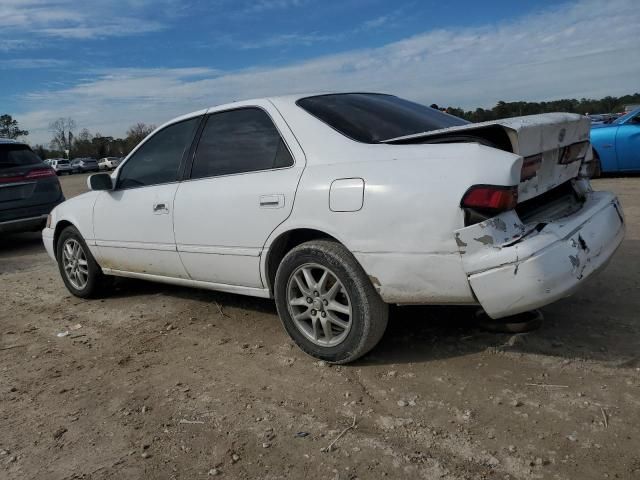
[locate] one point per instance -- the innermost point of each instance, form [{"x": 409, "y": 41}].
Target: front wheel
[
  {"x": 80, "y": 273},
  {"x": 327, "y": 303}
]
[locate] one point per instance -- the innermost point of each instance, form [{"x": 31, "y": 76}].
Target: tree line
[
  {"x": 87, "y": 144},
  {"x": 66, "y": 138},
  {"x": 583, "y": 106},
  {"x": 83, "y": 143}
]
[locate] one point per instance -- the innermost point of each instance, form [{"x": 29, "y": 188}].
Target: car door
[
  {"x": 628, "y": 143},
  {"x": 243, "y": 179},
  {"x": 133, "y": 223}
]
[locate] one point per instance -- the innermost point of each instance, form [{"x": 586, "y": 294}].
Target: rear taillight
[
  {"x": 494, "y": 198},
  {"x": 32, "y": 175},
  {"x": 40, "y": 173},
  {"x": 530, "y": 167},
  {"x": 572, "y": 153}
]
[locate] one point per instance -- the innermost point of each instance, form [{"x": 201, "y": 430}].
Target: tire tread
[{"x": 375, "y": 311}]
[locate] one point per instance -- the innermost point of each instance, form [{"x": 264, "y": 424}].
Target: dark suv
[{"x": 29, "y": 189}]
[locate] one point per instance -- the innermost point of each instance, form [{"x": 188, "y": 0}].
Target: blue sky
[{"x": 109, "y": 64}]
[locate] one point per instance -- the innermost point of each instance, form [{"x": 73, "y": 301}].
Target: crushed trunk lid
[{"x": 553, "y": 146}]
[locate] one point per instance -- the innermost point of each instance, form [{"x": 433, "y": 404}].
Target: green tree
[
  {"x": 137, "y": 133},
  {"x": 583, "y": 106},
  {"x": 9, "y": 127},
  {"x": 102, "y": 146},
  {"x": 82, "y": 145}
]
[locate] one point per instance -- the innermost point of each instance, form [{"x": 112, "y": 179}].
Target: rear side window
[
  {"x": 372, "y": 118},
  {"x": 237, "y": 141},
  {"x": 17, "y": 156},
  {"x": 158, "y": 159}
]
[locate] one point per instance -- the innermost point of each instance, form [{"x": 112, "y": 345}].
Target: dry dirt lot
[{"x": 164, "y": 382}]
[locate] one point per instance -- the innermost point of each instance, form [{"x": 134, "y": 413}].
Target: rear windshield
[
  {"x": 17, "y": 156},
  {"x": 372, "y": 118}
]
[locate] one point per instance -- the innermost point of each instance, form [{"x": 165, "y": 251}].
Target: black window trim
[
  {"x": 183, "y": 160},
  {"x": 192, "y": 153}
]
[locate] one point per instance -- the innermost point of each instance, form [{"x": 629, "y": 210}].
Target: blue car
[{"x": 616, "y": 146}]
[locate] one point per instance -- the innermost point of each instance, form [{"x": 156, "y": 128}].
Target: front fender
[
  {"x": 603, "y": 141},
  {"x": 77, "y": 211}
]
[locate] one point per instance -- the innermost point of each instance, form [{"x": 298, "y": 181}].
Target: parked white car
[
  {"x": 61, "y": 166},
  {"x": 338, "y": 205},
  {"x": 108, "y": 163}
]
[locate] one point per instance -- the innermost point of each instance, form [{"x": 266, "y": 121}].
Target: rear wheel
[
  {"x": 327, "y": 303},
  {"x": 80, "y": 273}
]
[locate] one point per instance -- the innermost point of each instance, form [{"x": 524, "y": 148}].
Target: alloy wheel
[
  {"x": 74, "y": 261},
  {"x": 319, "y": 304}
]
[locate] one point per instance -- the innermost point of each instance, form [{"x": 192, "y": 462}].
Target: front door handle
[
  {"x": 272, "y": 201},
  {"x": 160, "y": 208}
]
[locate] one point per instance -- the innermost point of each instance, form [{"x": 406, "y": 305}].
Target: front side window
[
  {"x": 237, "y": 141},
  {"x": 158, "y": 159}
]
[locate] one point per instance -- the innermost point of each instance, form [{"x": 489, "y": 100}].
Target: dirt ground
[{"x": 165, "y": 382}]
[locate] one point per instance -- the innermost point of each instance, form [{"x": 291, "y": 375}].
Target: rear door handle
[
  {"x": 272, "y": 201},
  {"x": 160, "y": 208}
]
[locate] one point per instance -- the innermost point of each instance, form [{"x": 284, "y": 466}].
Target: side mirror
[{"x": 100, "y": 181}]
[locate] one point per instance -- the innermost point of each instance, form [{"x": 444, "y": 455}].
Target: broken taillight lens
[
  {"x": 495, "y": 198},
  {"x": 530, "y": 167},
  {"x": 572, "y": 153}
]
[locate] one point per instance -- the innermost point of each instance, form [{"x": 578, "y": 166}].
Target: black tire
[
  {"x": 369, "y": 314},
  {"x": 97, "y": 282}
]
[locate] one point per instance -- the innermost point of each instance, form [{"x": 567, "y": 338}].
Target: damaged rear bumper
[{"x": 513, "y": 268}]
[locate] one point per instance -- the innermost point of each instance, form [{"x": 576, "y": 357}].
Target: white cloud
[
  {"x": 588, "y": 48},
  {"x": 27, "y": 63},
  {"x": 73, "y": 19},
  {"x": 288, "y": 40},
  {"x": 258, "y": 6}
]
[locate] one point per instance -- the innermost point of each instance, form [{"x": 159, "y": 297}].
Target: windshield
[
  {"x": 372, "y": 118},
  {"x": 626, "y": 116},
  {"x": 17, "y": 156}
]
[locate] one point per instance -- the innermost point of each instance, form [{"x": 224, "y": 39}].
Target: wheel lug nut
[
  {"x": 316, "y": 294},
  {"x": 313, "y": 312},
  {"x": 309, "y": 300},
  {"x": 324, "y": 314},
  {"x": 326, "y": 303}
]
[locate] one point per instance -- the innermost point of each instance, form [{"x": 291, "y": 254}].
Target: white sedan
[
  {"x": 338, "y": 205},
  {"x": 108, "y": 163}
]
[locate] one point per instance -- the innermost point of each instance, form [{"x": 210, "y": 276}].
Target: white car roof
[{"x": 291, "y": 98}]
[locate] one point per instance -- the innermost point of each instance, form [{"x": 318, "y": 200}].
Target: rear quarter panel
[{"x": 403, "y": 234}]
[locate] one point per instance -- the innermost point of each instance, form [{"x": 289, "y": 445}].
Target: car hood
[{"x": 602, "y": 125}]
